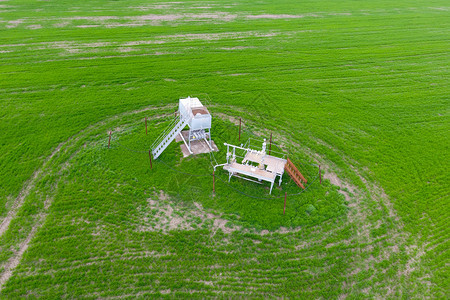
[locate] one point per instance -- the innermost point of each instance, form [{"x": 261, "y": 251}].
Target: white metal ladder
[{"x": 165, "y": 138}]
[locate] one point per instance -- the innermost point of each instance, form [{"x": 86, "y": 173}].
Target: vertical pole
[
  {"x": 239, "y": 129},
  {"x": 270, "y": 144},
  {"x": 150, "y": 156},
  {"x": 214, "y": 182},
  {"x": 284, "y": 209},
  {"x": 320, "y": 175},
  {"x": 109, "y": 142},
  {"x": 145, "y": 125}
]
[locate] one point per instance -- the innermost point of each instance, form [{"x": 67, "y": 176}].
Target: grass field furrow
[{"x": 359, "y": 88}]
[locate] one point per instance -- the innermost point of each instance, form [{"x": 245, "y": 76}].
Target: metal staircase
[
  {"x": 168, "y": 135},
  {"x": 295, "y": 173}
]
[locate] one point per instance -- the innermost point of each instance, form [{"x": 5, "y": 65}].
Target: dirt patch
[
  {"x": 15, "y": 23},
  {"x": 336, "y": 181},
  {"x": 284, "y": 230},
  {"x": 415, "y": 253},
  {"x": 35, "y": 26},
  {"x": 237, "y": 74},
  {"x": 269, "y": 16},
  {"x": 163, "y": 196},
  {"x": 156, "y": 17},
  {"x": 237, "y": 48},
  {"x": 83, "y": 26},
  {"x": 333, "y": 178},
  {"x": 152, "y": 7},
  {"x": 61, "y": 24},
  {"x": 197, "y": 147},
  {"x": 138, "y": 43},
  {"x": 13, "y": 262},
  {"x": 339, "y": 14},
  {"x": 142, "y": 20},
  {"x": 93, "y": 19},
  {"x": 440, "y": 8},
  {"x": 126, "y": 49},
  {"x": 163, "y": 215},
  {"x": 218, "y": 36},
  {"x": 209, "y": 283},
  {"x": 232, "y": 119},
  {"x": 222, "y": 16},
  {"x": 342, "y": 296}
]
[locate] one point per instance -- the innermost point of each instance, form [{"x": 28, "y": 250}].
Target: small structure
[
  {"x": 255, "y": 163},
  {"x": 193, "y": 114},
  {"x": 199, "y": 121}
]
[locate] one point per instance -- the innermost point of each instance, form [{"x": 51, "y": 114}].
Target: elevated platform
[
  {"x": 267, "y": 167},
  {"x": 272, "y": 163},
  {"x": 251, "y": 171}
]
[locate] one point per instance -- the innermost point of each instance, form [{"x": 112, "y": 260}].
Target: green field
[{"x": 360, "y": 88}]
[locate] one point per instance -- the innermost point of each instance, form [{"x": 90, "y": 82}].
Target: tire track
[
  {"x": 71, "y": 142},
  {"x": 13, "y": 262},
  {"x": 15, "y": 259},
  {"x": 29, "y": 185}
]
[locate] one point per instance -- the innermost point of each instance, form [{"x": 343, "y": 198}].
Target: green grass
[{"x": 360, "y": 88}]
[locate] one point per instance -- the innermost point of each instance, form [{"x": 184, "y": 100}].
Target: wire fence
[
  {"x": 270, "y": 197},
  {"x": 182, "y": 172},
  {"x": 130, "y": 149},
  {"x": 213, "y": 162}
]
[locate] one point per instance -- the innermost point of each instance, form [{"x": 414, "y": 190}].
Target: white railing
[{"x": 168, "y": 135}]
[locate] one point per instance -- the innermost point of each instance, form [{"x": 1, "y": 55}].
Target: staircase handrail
[
  {"x": 166, "y": 131},
  {"x": 168, "y": 137}
]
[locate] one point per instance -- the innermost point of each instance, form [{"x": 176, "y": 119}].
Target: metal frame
[
  {"x": 179, "y": 123},
  {"x": 268, "y": 169},
  {"x": 202, "y": 133}
]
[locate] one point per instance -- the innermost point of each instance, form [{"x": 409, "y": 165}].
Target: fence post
[
  {"x": 285, "y": 196},
  {"x": 320, "y": 175},
  {"x": 270, "y": 144},
  {"x": 214, "y": 182},
  {"x": 109, "y": 141},
  {"x": 145, "y": 125},
  {"x": 239, "y": 129},
  {"x": 150, "y": 156}
]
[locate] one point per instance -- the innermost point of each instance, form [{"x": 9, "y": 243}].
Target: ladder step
[
  {"x": 295, "y": 174},
  {"x": 296, "y": 171},
  {"x": 297, "y": 181}
]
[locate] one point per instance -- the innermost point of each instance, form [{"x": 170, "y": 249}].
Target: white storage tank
[
  {"x": 193, "y": 114},
  {"x": 198, "y": 114}
]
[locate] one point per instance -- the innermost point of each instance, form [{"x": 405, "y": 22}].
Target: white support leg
[
  {"x": 210, "y": 137},
  {"x": 187, "y": 146},
  {"x": 209, "y": 143}
]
